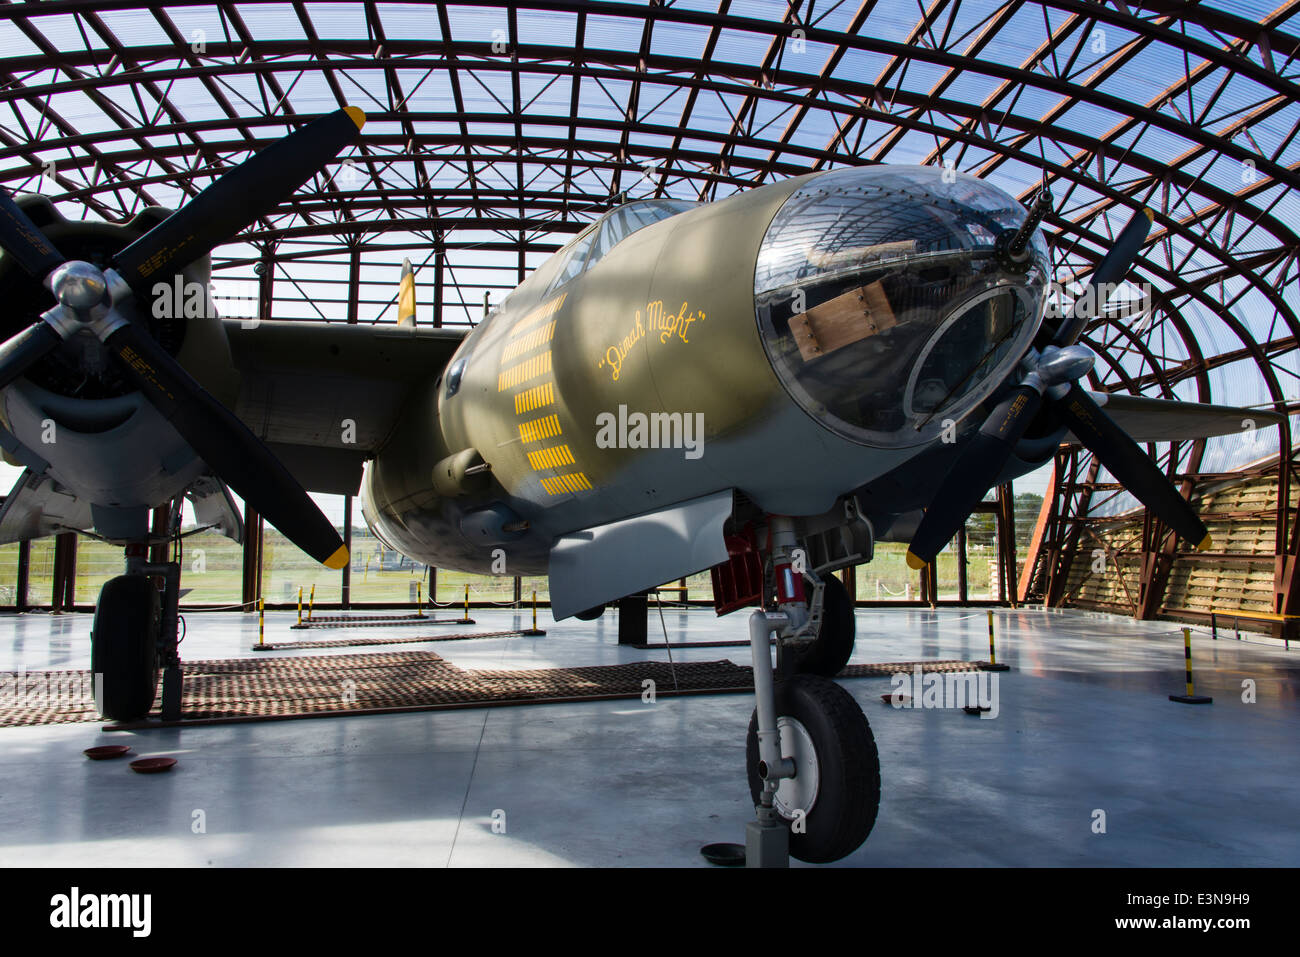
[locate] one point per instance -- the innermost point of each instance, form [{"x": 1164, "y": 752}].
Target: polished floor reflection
[{"x": 1084, "y": 725}]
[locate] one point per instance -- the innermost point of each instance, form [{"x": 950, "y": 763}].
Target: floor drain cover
[{"x": 727, "y": 855}]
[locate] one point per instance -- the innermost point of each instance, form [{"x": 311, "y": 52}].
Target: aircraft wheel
[
  {"x": 837, "y": 770},
  {"x": 830, "y": 651},
  {"x": 124, "y": 647}
]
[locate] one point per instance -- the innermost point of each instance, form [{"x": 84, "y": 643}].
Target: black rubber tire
[
  {"x": 591, "y": 614},
  {"x": 848, "y": 793},
  {"x": 830, "y": 651},
  {"x": 124, "y": 647}
]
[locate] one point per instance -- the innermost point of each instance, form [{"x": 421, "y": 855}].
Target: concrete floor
[{"x": 1084, "y": 724}]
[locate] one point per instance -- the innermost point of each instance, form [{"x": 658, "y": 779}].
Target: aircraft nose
[{"x": 885, "y": 305}]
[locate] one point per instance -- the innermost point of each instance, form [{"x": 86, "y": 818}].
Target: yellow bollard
[
  {"x": 467, "y": 601},
  {"x": 419, "y": 599},
  {"x": 992, "y": 663},
  {"x": 1191, "y": 697},
  {"x": 533, "y": 630},
  {"x": 311, "y": 602},
  {"x": 300, "y": 606},
  {"x": 261, "y": 627}
]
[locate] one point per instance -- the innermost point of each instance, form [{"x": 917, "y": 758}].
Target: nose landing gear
[
  {"x": 813, "y": 768},
  {"x": 829, "y": 806},
  {"x": 811, "y": 760}
]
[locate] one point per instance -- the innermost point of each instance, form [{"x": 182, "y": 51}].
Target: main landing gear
[
  {"x": 134, "y": 638},
  {"x": 814, "y": 773}
]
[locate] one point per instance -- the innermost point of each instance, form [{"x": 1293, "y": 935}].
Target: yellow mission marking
[
  {"x": 535, "y": 398},
  {"x": 561, "y": 484},
  {"x": 544, "y": 311},
  {"x": 538, "y": 365},
  {"x": 554, "y": 457},
  {"x": 537, "y": 337},
  {"x": 527, "y": 334},
  {"x": 539, "y": 429}
]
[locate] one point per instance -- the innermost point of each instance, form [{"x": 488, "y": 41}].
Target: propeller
[
  {"x": 1051, "y": 377},
  {"x": 90, "y": 299}
]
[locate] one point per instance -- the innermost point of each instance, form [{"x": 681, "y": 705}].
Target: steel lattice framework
[{"x": 499, "y": 128}]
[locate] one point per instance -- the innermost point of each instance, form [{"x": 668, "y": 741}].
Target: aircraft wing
[
  {"x": 324, "y": 396},
  {"x": 1163, "y": 420}
]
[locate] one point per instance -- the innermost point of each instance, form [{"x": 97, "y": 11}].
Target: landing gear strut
[
  {"x": 134, "y": 637},
  {"x": 814, "y": 772}
]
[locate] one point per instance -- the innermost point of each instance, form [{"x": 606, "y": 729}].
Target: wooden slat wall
[
  {"x": 1242, "y": 520},
  {"x": 1116, "y": 586}
]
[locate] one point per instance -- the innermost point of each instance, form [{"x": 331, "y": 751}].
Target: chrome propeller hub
[{"x": 79, "y": 286}]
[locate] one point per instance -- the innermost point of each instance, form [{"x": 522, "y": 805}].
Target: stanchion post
[
  {"x": 299, "y": 605},
  {"x": 311, "y": 601},
  {"x": 1191, "y": 697},
  {"x": 534, "y": 630},
  {"x": 467, "y": 620},
  {"x": 419, "y": 599},
  {"x": 992, "y": 663},
  {"x": 261, "y": 627}
]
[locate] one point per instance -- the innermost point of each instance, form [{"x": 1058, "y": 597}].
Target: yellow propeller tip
[
  {"x": 915, "y": 561},
  {"x": 1205, "y": 544},
  {"x": 356, "y": 115},
  {"x": 338, "y": 559},
  {"x": 1150, "y": 213}
]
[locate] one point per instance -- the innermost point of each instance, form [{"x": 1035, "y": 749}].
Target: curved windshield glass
[
  {"x": 614, "y": 227},
  {"x": 884, "y": 305},
  {"x": 626, "y": 220},
  {"x": 574, "y": 256}
]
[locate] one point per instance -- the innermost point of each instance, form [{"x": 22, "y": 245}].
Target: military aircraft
[{"x": 764, "y": 386}]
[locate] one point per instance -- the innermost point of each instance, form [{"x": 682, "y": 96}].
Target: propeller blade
[
  {"x": 20, "y": 352},
  {"x": 1131, "y": 466},
  {"x": 973, "y": 474},
  {"x": 1113, "y": 267},
  {"x": 240, "y": 197},
  {"x": 236, "y": 455},
  {"x": 21, "y": 238}
]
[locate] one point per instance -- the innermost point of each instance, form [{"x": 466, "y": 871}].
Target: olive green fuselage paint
[{"x": 663, "y": 326}]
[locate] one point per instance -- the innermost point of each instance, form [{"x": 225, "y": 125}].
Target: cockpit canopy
[{"x": 594, "y": 242}]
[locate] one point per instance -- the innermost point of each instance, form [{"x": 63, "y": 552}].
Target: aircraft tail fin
[{"x": 406, "y": 296}]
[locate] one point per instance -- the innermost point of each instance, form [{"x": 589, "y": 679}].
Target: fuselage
[
  {"x": 794, "y": 343},
  {"x": 823, "y": 335}
]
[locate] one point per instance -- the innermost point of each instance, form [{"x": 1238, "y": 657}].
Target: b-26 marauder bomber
[{"x": 765, "y": 386}]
